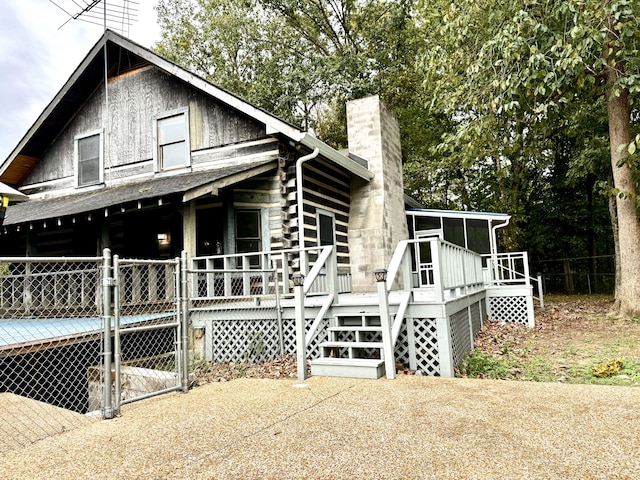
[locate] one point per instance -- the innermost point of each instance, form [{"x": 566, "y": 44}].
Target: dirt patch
[
  {"x": 574, "y": 338},
  {"x": 211, "y": 372}
]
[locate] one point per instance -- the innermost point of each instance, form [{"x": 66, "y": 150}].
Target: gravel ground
[{"x": 411, "y": 427}]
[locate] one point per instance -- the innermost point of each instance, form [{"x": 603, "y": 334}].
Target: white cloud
[{"x": 38, "y": 55}]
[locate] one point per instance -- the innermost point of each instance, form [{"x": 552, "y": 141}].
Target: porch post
[
  {"x": 301, "y": 342},
  {"x": 445, "y": 349},
  {"x": 385, "y": 323}
]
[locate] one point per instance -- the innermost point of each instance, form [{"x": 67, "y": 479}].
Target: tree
[
  {"x": 513, "y": 66},
  {"x": 303, "y": 59}
]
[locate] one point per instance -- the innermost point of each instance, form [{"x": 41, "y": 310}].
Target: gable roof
[{"x": 124, "y": 55}]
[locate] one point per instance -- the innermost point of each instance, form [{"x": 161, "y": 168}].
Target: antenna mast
[{"x": 118, "y": 15}]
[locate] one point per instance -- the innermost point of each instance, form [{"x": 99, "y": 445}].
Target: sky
[{"x": 38, "y": 55}]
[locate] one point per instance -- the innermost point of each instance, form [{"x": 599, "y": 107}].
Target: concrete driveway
[{"x": 331, "y": 428}]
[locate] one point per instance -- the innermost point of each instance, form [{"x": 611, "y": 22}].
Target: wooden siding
[
  {"x": 134, "y": 100},
  {"x": 327, "y": 188},
  {"x": 263, "y": 193}
]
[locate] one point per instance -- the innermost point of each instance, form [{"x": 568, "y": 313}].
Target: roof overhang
[
  {"x": 428, "y": 212},
  {"x": 134, "y": 192},
  {"x": 336, "y": 157}
]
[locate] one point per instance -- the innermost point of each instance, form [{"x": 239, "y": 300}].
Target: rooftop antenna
[{"x": 116, "y": 15}]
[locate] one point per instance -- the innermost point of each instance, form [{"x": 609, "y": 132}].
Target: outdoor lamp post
[
  {"x": 8, "y": 194},
  {"x": 301, "y": 341},
  {"x": 4, "y": 203},
  {"x": 381, "y": 275},
  {"x": 385, "y": 323}
]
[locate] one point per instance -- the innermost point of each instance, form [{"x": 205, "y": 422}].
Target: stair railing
[
  {"x": 400, "y": 270},
  {"x": 327, "y": 261}
]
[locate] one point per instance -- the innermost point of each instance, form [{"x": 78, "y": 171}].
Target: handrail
[
  {"x": 400, "y": 313},
  {"x": 398, "y": 260},
  {"x": 317, "y": 267},
  {"x": 318, "y": 320}
]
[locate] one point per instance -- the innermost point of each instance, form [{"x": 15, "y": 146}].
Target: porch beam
[{"x": 214, "y": 187}]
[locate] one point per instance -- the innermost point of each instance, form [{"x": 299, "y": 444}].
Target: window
[
  {"x": 454, "y": 230},
  {"x": 249, "y": 234},
  {"x": 88, "y": 153},
  {"x": 478, "y": 235},
  {"x": 326, "y": 228},
  {"x": 172, "y": 140}
]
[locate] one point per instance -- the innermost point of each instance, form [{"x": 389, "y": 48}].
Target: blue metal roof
[{"x": 19, "y": 331}]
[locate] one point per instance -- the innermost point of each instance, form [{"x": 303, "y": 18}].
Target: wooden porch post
[
  {"x": 385, "y": 323},
  {"x": 301, "y": 342}
]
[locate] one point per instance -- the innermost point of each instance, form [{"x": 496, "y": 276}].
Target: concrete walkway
[{"x": 411, "y": 427}]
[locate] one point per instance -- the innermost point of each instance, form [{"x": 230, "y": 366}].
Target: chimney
[{"x": 377, "y": 220}]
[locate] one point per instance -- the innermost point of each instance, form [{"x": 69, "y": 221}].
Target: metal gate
[
  {"x": 150, "y": 332},
  {"x": 79, "y": 337}
]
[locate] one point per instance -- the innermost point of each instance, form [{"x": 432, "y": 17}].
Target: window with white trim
[
  {"x": 88, "y": 159},
  {"x": 172, "y": 140}
]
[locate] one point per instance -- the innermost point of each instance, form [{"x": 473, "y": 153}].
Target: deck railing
[
  {"x": 450, "y": 270},
  {"x": 260, "y": 273},
  {"x": 50, "y": 285},
  {"x": 511, "y": 269}
]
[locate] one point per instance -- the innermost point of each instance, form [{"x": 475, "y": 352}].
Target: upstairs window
[
  {"x": 172, "y": 140},
  {"x": 88, "y": 153}
]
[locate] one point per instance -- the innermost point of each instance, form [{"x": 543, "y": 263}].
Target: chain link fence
[
  {"x": 79, "y": 338},
  {"x": 577, "y": 275},
  {"x": 149, "y": 357},
  {"x": 51, "y": 335}
]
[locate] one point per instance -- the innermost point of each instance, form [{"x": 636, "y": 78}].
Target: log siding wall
[{"x": 327, "y": 188}]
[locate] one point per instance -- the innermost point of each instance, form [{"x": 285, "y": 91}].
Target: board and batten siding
[{"x": 135, "y": 99}]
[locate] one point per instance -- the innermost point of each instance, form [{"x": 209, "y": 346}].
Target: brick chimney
[{"x": 377, "y": 221}]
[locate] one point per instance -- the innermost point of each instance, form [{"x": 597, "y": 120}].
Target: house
[
  {"x": 138, "y": 157},
  {"x": 162, "y": 161}
]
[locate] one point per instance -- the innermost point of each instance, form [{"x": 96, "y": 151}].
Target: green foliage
[
  {"x": 479, "y": 364},
  {"x": 300, "y": 60}
]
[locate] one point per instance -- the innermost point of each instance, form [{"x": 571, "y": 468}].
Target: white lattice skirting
[{"x": 509, "y": 309}]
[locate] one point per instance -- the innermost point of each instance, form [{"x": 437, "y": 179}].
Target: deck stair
[{"x": 354, "y": 347}]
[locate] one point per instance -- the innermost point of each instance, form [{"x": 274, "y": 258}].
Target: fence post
[
  {"x": 182, "y": 305},
  {"x": 385, "y": 323},
  {"x": 107, "y": 282},
  {"x": 301, "y": 342},
  {"x": 540, "y": 290},
  {"x": 116, "y": 334}
]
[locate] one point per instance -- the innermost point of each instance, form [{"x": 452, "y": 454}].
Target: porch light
[
  {"x": 298, "y": 279},
  {"x": 163, "y": 238},
  {"x": 381, "y": 275}
]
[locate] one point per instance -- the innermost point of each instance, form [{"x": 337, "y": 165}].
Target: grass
[{"x": 575, "y": 341}]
